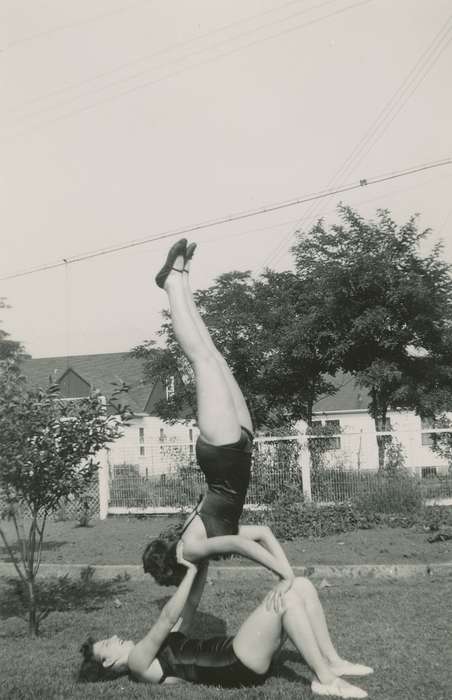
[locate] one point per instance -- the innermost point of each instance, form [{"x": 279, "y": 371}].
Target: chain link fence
[
  {"x": 324, "y": 469},
  {"x": 164, "y": 476}
]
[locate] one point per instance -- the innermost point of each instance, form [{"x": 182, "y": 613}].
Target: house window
[
  {"x": 428, "y": 439},
  {"x": 332, "y": 427},
  {"x": 142, "y": 451},
  {"x": 141, "y": 433},
  {"x": 162, "y": 434},
  {"x": 333, "y": 443},
  {"x": 169, "y": 388},
  {"x": 427, "y": 472}
]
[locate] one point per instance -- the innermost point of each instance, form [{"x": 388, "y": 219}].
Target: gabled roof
[
  {"x": 99, "y": 370},
  {"x": 349, "y": 396}
]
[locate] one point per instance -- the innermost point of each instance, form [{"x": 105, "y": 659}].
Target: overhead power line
[
  {"x": 149, "y": 83},
  {"x": 379, "y": 126},
  {"x": 231, "y": 218},
  {"x": 72, "y": 25},
  {"x": 148, "y": 57}
]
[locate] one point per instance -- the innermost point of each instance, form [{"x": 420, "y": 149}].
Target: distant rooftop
[{"x": 98, "y": 370}]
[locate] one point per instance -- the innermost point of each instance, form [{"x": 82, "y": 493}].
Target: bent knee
[{"x": 304, "y": 588}]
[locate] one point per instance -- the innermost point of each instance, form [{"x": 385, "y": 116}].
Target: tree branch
[
  {"x": 20, "y": 537},
  {"x": 11, "y": 555},
  {"x": 41, "y": 537}
]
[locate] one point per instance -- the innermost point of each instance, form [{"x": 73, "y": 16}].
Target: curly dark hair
[
  {"x": 159, "y": 557},
  {"x": 91, "y": 669}
]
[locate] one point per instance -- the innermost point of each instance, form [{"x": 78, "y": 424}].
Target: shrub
[
  {"x": 395, "y": 493},
  {"x": 289, "y": 517},
  {"x": 435, "y": 516}
]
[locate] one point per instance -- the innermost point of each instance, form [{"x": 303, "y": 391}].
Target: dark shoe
[
  {"x": 190, "y": 251},
  {"x": 177, "y": 249}
]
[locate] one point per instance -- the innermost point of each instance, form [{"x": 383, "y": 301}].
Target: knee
[
  {"x": 304, "y": 588},
  {"x": 292, "y": 599}
]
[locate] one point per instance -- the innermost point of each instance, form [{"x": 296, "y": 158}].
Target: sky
[{"x": 127, "y": 119}]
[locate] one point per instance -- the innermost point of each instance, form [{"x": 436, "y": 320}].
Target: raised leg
[
  {"x": 217, "y": 416},
  {"x": 243, "y": 414}
]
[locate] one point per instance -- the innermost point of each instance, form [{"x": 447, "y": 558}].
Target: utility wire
[
  {"x": 391, "y": 109},
  {"x": 149, "y": 83},
  {"x": 232, "y": 217},
  {"x": 71, "y": 25},
  {"x": 173, "y": 62},
  {"x": 148, "y": 57}
]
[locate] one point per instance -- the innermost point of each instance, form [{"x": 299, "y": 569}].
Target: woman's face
[{"x": 112, "y": 652}]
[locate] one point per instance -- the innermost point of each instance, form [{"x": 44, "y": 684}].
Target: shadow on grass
[
  {"x": 60, "y": 594},
  {"x": 280, "y": 670}
]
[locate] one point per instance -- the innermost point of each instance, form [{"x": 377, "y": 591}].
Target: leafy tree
[
  {"x": 9, "y": 349},
  {"x": 387, "y": 307},
  {"x": 270, "y": 342},
  {"x": 48, "y": 452}
]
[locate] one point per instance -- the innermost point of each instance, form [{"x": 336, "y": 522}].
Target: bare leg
[
  {"x": 310, "y": 599},
  {"x": 243, "y": 415},
  {"x": 261, "y": 634},
  {"x": 217, "y": 417}
]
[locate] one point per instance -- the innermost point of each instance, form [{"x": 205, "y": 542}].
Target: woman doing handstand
[{"x": 223, "y": 449}]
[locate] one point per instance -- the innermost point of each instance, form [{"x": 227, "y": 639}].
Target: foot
[
  {"x": 188, "y": 256},
  {"x": 178, "y": 249},
  {"x": 346, "y": 668},
  {"x": 338, "y": 688}
]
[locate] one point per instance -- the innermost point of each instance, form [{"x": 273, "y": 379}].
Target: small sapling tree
[{"x": 48, "y": 452}]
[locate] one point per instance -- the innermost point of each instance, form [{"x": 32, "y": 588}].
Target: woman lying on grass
[
  {"x": 167, "y": 654},
  {"x": 223, "y": 449}
]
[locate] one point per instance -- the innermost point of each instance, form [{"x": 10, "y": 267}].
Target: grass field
[
  {"x": 121, "y": 540},
  {"x": 400, "y": 628}
]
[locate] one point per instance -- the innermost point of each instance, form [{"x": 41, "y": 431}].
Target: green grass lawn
[
  {"x": 121, "y": 540},
  {"x": 401, "y": 628}
]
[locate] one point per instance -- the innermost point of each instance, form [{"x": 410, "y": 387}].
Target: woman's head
[
  {"x": 159, "y": 558},
  {"x": 105, "y": 659}
]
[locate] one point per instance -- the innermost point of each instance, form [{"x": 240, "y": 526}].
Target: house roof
[
  {"x": 99, "y": 371},
  {"x": 349, "y": 396}
]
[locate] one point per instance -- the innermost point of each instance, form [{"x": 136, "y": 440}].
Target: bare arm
[
  {"x": 238, "y": 544},
  {"x": 264, "y": 535},
  {"x": 143, "y": 653},
  {"x": 191, "y": 606}
]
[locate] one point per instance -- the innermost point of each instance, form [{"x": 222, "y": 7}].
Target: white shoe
[
  {"x": 338, "y": 688},
  {"x": 346, "y": 668}
]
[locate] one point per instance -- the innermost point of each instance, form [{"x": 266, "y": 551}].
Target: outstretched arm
[
  {"x": 238, "y": 544},
  {"x": 191, "y": 606},
  {"x": 264, "y": 536},
  {"x": 143, "y": 653}
]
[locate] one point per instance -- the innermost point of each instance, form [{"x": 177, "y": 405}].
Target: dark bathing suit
[
  {"x": 227, "y": 469},
  {"x": 206, "y": 661}
]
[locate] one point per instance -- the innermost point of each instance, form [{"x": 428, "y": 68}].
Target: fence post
[
  {"x": 304, "y": 464},
  {"x": 103, "y": 481}
]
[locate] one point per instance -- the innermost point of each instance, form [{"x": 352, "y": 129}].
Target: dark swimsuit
[
  {"x": 206, "y": 661},
  {"x": 227, "y": 469}
]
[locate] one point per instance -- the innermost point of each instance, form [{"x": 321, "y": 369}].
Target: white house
[
  {"x": 151, "y": 446},
  {"x": 355, "y": 444},
  {"x": 147, "y": 440}
]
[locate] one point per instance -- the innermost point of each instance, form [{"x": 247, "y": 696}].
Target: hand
[
  {"x": 275, "y": 599},
  {"x": 180, "y": 557}
]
